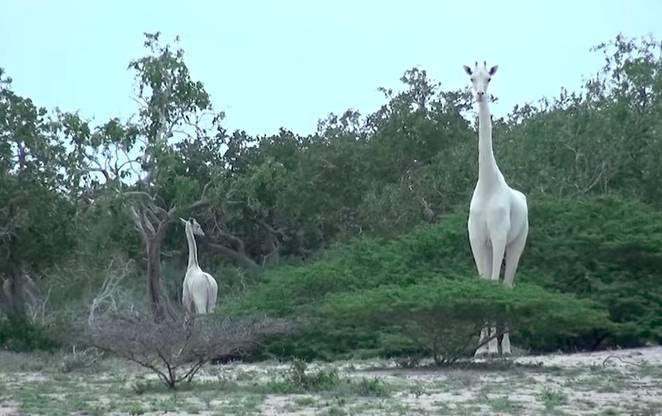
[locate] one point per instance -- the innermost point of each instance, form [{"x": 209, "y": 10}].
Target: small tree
[
  {"x": 445, "y": 315},
  {"x": 174, "y": 348}
]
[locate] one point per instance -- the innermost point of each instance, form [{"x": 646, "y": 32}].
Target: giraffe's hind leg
[
  {"x": 483, "y": 258},
  {"x": 513, "y": 255}
]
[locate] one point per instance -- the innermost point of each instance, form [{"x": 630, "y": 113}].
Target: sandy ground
[
  {"x": 607, "y": 382},
  {"x": 623, "y": 382}
]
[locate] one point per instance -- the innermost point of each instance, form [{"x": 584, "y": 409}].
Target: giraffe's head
[
  {"x": 480, "y": 78},
  {"x": 195, "y": 227}
]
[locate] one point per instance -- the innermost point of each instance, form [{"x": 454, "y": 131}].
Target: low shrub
[
  {"x": 24, "y": 336},
  {"x": 445, "y": 316},
  {"x": 316, "y": 381},
  {"x": 173, "y": 348}
]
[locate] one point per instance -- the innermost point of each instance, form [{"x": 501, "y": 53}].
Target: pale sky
[{"x": 272, "y": 64}]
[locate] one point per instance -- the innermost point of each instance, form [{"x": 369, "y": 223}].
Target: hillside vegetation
[{"x": 357, "y": 232}]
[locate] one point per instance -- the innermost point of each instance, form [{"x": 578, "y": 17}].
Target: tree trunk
[
  {"x": 13, "y": 298},
  {"x": 154, "y": 278},
  {"x": 153, "y": 235},
  {"x": 12, "y": 294}
]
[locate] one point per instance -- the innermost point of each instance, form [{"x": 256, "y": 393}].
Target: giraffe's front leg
[
  {"x": 482, "y": 349},
  {"x": 505, "y": 343},
  {"x": 493, "y": 345}
]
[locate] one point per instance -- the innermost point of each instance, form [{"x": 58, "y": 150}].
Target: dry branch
[
  {"x": 174, "y": 348},
  {"x": 115, "y": 274}
]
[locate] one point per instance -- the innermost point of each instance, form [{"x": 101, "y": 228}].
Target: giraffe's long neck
[
  {"x": 488, "y": 171},
  {"x": 192, "y": 248}
]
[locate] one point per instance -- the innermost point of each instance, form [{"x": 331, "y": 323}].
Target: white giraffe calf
[{"x": 199, "y": 289}]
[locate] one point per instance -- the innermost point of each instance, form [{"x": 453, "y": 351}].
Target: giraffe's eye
[{"x": 489, "y": 79}]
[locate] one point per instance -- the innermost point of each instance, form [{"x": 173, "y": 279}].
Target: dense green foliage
[
  {"x": 604, "y": 248},
  {"x": 444, "y": 316},
  {"x": 368, "y": 207},
  {"x": 430, "y": 271},
  {"x": 24, "y": 336}
]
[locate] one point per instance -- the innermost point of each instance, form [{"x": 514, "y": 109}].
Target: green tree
[
  {"x": 37, "y": 199},
  {"x": 604, "y": 138}
]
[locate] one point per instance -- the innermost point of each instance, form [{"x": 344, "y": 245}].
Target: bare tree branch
[
  {"x": 236, "y": 256},
  {"x": 174, "y": 349},
  {"x": 109, "y": 289}
]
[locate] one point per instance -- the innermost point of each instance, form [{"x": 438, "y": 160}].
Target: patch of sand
[{"x": 9, "y": 408}]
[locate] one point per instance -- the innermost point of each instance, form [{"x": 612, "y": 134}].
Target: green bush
[
  {"x": 606, "y": 248},
  {"x": 316, "y": 381},
  {"x": 581, "y": 253},
  {"x": 363, "y": 264},
  {"x": 444, "y": 316},
  {"x": 299, "y": 380},
  {"x": 23, "y": 336}
]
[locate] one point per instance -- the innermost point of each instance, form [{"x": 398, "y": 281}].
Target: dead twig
[{"x": 613, "y": 357}]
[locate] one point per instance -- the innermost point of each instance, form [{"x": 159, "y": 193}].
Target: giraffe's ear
[
  {"x": 183, "y": 220},
  {"x": 467, "y": 70},
  {"x": 492, "y": 70}
]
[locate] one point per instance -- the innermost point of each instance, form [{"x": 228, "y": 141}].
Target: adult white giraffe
[
  {"x": 498, "y": 215},
  {"x": 199, "y": 289}
]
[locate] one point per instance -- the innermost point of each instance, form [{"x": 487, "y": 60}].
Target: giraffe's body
[{"x": 199, "y": 290}]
